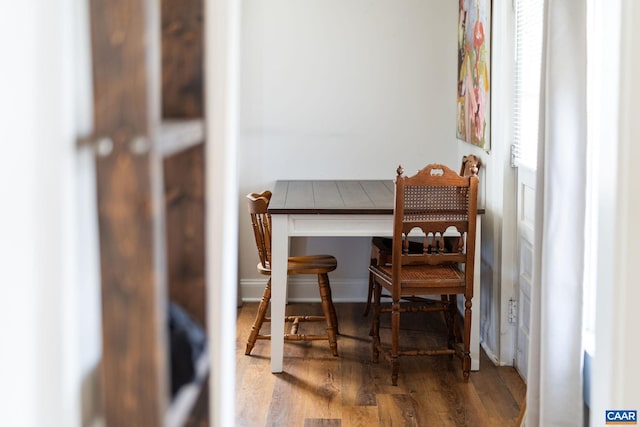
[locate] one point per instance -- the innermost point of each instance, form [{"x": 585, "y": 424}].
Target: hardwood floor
[{"x": 318, "y": 389}]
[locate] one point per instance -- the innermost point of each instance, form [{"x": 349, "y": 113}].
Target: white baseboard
[
  {"x": 492, "y": 356},
  {"x": 305, "y": 289}
]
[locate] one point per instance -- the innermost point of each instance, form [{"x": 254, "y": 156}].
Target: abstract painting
[{"x": 474, "y": 61}]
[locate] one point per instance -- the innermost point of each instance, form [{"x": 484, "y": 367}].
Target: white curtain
[{"x": 554, "y": 390}]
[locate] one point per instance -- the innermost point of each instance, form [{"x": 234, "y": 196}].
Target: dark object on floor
[{"x": 187, "y": 341}]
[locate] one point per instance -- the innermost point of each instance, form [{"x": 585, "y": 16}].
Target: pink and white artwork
[{"x": 474, "y": 60}]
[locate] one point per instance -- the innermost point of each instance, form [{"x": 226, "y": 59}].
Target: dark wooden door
[
  {"x": 135, "y": 146},
  {"x": 131, "y": 212}
]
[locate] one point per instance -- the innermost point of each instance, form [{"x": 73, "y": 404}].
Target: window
[{"x": 527, "y": 86}]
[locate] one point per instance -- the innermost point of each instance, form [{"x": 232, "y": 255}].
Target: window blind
[{"x": 528, "y": 58}]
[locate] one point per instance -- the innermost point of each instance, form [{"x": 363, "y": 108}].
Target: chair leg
[
  {"x": 445, "y": 300},
  {"x": 367, "y": 307},
  {"x": 466, "y": 361},
  {"x": 375, "y": 257},
  {"x": 451, "y": 317},
  {"x": 329, "y": 311},
  {"x": 456, "y": 320},
  {"x": 334, "y": 316},
  {"x": 395, "y": 341},
  {"x": 257, "y": 324},
  {"x": 375, "y": 324}
]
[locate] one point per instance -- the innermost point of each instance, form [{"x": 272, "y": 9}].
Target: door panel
[{"x": 525, "y": 246}]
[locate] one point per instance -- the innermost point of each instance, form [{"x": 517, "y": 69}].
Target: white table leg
[
  {"x": 279, "y": 257},
  {"x": 475, "y": 313}
]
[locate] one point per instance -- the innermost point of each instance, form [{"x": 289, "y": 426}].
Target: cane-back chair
[
  {"x": 381, "y": 246},
  {"x": 433, "y": 204},
  {"x": 319, "y": 265}
]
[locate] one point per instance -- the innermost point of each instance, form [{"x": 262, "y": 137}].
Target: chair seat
[
  {"x": 311, "y": 264},
  {"x": 381, "y": 252},
  {"x": 422, "y": 276},
  {"x": 308, "y": 264}
]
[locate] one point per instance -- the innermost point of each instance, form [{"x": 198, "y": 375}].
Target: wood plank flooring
[{"x": 318, "y": 389}]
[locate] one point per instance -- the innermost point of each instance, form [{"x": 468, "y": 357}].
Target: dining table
[{"x": 337, "y": 208}]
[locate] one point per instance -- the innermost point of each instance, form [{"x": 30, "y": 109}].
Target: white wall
[
  {"x": 49, "y": 307},
  {"x": 222, "y": 57},
  {"x": 498, "y": 192},
  {"x": 342, "y": 89}
]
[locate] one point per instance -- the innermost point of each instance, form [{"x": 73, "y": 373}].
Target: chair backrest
[
  {"x": 258, "y": 204},
  {"x": 434, "y": 201}
]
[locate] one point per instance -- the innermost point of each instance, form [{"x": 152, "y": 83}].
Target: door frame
[{"x": 222, "y": 50}]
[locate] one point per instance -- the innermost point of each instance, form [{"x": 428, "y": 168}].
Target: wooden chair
[
  {"x": 434, "y": 201},
  {"x": 381, "y": 246},
  {"x": 319, "y": 265}
]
